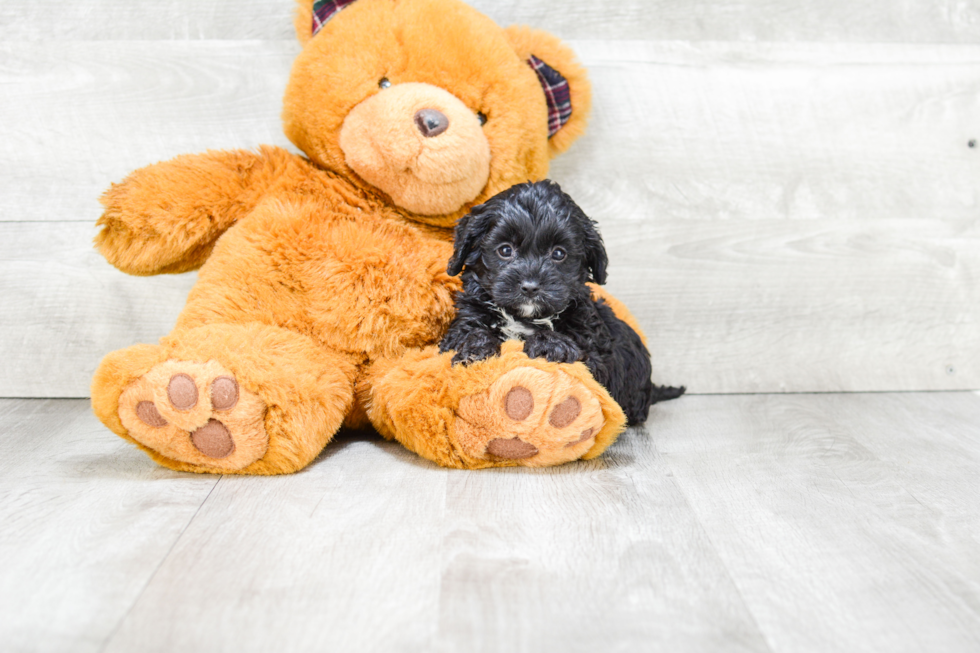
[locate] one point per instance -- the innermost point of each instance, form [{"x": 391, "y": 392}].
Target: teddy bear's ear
[
  {"x": 311, "y": 15},
  {"x": 563, "y": 81}
]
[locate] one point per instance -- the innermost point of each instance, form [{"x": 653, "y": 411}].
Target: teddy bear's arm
[{"x": 166, "y": 217}]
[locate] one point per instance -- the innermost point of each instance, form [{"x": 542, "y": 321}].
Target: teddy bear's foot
[
  {"x": 226, "y": 398},
  {"x": 195, "y": 413},
  {"x": 529, "y": 417},
  {"x": 504, "y": 411}
]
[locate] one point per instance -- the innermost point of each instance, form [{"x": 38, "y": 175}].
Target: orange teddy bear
[{"x": 323, "y": 291}]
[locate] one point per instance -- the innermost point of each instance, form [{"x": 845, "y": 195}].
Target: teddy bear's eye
[
  {"x": 505, "y": 251},
  {"x": 558, "y": 254},
  {"x": 384, "y": 83},
  {"x": 482, "y": 117}
]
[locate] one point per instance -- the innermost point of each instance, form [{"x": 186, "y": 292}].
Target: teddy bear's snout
[{"x": 419, "y": 144}]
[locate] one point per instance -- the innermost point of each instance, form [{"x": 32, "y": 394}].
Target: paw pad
[
  {"x": 538, "y": 417},
  {"x": 182, "y": 392},
  {"x": 224, "y": 393},
  {"x": 213, "y": 440},
  {"x": 565, "y": 413},
  {"x": 519, "y": 403},
  {"x": 586, "y": 435},
  {"x": 149, "y": 414},
  {"x": 512, "y": 449},
  {"x": 195, "y": 413}
]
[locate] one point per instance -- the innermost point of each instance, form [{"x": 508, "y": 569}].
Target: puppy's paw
[
  {"x": 553, "y": 347},
  {"x": 477, "y": 346}
]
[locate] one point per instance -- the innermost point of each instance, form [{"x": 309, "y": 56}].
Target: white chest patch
[{"x": 514, "y": 329}]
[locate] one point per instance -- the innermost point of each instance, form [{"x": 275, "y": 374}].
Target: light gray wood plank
[
  {"x": 84, "y": 115},
  {"x": 935, "y": 462},
  {"x": 343, "y": 556},
  {"x": 830, "y": 546},
  {"x": 747, "y": 306},
  {"x": 371, "y": 550},
  {"x": 87, "y": 520},
  {"x": 737, "y": 523},
  {"x": 792, "y": 131},
  {"x": 803, "y": 306},
  {"x": 860, "y": 273},
  {"x": 593, "y": 556},
  {"x": 686, "y": 131},
  {"x": 933, "y": 21},
  {"x": 119, "y": 20},
  {"x": 772, "y": 523},
  {"x": 64, "y": 308},
  {"x": 871, "y": 21}
]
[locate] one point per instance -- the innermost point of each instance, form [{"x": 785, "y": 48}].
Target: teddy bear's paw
[
  {"x": 529, "y": 417},
  {"x": 196, "y": 413}
]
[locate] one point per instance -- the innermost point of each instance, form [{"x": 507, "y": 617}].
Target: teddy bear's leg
[
  {"x": 226, "y": 398},
  {"x": 504, "y": 411}
]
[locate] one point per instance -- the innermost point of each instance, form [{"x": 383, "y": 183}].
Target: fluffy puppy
[{"x": 526, "y": 255}]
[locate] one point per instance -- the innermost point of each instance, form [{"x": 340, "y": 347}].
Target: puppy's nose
[
  {"x": 431, "y": 122},
  {"x": 530, "y": 287}
]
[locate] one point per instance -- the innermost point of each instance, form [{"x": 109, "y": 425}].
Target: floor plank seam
[
  {"x": 714, "y": 547},
  {"x": 163, "y": 560}
]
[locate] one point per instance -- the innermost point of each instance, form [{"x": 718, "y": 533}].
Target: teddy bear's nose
[{"x": 431, "y": 122}]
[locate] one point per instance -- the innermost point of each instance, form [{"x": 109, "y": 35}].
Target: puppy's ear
[
  {"x": 595, "y": 251},
  {"x": 470, "y": 230}
]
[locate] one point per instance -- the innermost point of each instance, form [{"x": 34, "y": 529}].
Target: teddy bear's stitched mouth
[
  {"x": 450, "y": 182},
  {"x": 418, "y": 170}
]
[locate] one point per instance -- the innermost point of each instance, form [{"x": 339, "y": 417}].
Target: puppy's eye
[
  {"x": 384, "y": 83},
  {"x": 505, "y": 251},
  {"x": 482, "y": 117},
  {"x": 558, "y": 254}
]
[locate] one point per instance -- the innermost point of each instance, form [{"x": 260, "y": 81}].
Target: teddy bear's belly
[
  {"x": 378, "y": 293},
  {"x": 372, "y": 288}
]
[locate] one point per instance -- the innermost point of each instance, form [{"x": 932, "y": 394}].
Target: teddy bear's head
[{"x": 429, "y": 101}]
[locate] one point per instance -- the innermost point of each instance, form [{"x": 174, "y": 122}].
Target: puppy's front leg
[
  {"x": 470, "y": 345},
  {"x": 477, "y": 346},
  {"x": 552, "y": 346}
]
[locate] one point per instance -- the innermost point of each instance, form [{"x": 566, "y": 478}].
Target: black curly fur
[{"x": 543, "y": 298}]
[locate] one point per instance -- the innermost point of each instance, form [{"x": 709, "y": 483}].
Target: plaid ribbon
[
  {"x": 323, "y": 10},
  {"x": 556, "y": 91}
]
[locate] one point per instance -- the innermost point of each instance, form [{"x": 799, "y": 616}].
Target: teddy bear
[{"x": 322, "y": 290}]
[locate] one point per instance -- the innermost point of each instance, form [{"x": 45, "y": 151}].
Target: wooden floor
[{"x": 828, "y": 522}]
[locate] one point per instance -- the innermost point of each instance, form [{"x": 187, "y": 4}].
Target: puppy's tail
[{"x": 664, "y": 393}]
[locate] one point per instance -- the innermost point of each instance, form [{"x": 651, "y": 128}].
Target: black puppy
[{"x": 528, "y": 253}]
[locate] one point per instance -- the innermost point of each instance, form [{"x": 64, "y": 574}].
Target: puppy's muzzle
[{"x": 530, "y": 288}]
